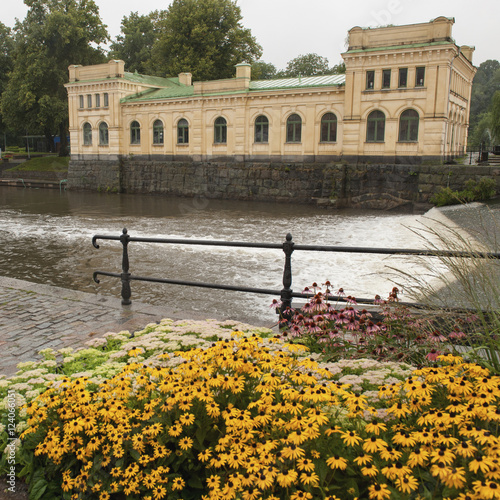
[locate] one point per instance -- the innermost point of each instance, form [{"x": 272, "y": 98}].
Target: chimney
[
  {"x": 185, "y": 79},
  {"x": 73, "y": 72},
  {"x": 243, "y": 70},
  {"x": 467, "y": 51}
]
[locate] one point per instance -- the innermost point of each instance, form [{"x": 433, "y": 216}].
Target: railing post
[
  {"x": 125, "y": 276},
  {"x": 286, "y": 292}
]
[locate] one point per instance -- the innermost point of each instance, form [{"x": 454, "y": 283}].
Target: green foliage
[
  {"x": 307, "y": 65},
  {"x": 263, "y": 71},
  {"x": 204, "y": 37},
  {"x": 486, "y": 82},
  {"x": 53, "y": 36},
  {"x": 135, "y": 43},
  {"x": 481, "y": 190},
  {"x": 6, "y": 63},
  {"x": 495, "y": 116}
]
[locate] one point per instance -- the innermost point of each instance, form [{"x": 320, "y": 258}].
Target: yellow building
[{"x": 405, "y": 96}]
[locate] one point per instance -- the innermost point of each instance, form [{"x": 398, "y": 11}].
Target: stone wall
[{"x": 336, "y": 184}]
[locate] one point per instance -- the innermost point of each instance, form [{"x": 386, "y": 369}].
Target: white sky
[{"x": 288, "y": 28}]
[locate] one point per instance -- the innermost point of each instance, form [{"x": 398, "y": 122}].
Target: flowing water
[{"x": 45, "y": 237}]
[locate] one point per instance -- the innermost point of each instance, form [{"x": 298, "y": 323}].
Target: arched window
[
  {"x": 375, "y": 127},
  {"x": 294, "y": 128},
  {"x": 87, "y": 134},
  {"x": 408, "y": 126},
  {"x": 261, "y": 129},
  {"x": 103, "y": 134},
  {"x": 183, "y": 131},
  {"x": 220, "y": 130},
  {"x": 135, "y": 133},
  {"x": 158, "y": 132},
  {"x": 328, "y": 128}
]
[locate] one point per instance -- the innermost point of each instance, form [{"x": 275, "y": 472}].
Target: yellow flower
[
  {"x": 304, "y": 464},
  {"x": 178, "y": 483},
  {"x": 185, "y": 443},
  {"x": 186, "y": 419},
  {"x": 287, "y": 477},
  {"x": 350, "y": 438},
  {"x": 307, "y": 478},
  {"x": 337, "y": 462},
  {"x": 378, "y": 492},
  {"x": 375, "y": 427},
  {"x": 456, "y": 478},
  {"x": 175, "y": 430},
  {"x": 301, "y": 495},
  {"x": 369, "y": 470}
]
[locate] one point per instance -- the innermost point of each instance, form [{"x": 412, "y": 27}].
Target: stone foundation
[{"x": 335, "y": 184}]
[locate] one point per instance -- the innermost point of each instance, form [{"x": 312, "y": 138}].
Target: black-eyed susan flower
[
  {"x": 369, "y": 470},
  {"x": 301, "y": 495},
  {"x": 350, "y": 438},
  {"x": 337, "y": 462},
  {"x": 178, "y": 483},
  {"x": 407, "y": 483},
  {"x": 378, "y": 491},
  {"x": 287, "y": 478}
]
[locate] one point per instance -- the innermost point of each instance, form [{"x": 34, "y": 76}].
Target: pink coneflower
[
  {"x": 457, "y": 334},
  {"x": 353, "y": 323},
  {"x": 437, "y": 336},
  {"x": 371, "y": 327},
  {"x": 393, "y": 296},
  {"x": 275, "y": 304},
  {"x": 433, "y": 355},
  {"x": 341, "y": 292}
]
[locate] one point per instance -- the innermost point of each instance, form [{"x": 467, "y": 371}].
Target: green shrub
[{"x": 473, "y": 191}]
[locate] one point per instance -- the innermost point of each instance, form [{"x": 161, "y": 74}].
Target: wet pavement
[{"x": 34, "y": 317}]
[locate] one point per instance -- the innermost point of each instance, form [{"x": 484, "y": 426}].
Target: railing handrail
[{"x": 288, "y": 246}]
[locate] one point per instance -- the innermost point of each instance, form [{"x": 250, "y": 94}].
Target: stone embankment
[{"x": 339, "y": 185}]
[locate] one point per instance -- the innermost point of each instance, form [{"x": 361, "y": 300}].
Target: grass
[{"x": 43, "y": 164}]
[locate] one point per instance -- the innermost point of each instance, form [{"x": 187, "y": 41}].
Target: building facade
[{"x": 405, "y": 95}]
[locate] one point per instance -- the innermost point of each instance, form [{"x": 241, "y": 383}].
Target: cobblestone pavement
[{"x": 35, "y": 317}]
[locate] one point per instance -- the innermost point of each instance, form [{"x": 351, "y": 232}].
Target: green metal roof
[
  {"x": 304, "y": 81},
  {"x": 170, "y": 88}
]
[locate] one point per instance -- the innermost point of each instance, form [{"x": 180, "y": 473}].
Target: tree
[
  {"x": 54, "y": 35},
  {"x": 495, "y": 116},
  {"x": 263, "y": 71},
  {"x": 134, "y": 45},
  {"x": 307, "y": 65},
  {"x": 204, "y": 37},
  {"x": 6, "y": 64},
  {"x": 486, "y": 82}
]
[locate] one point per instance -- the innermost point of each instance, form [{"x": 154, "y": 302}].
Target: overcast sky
[{"x": 288, "y": 28}]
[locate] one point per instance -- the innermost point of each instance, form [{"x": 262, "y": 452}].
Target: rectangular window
[
  {"x": 386, "y": 79},
  {"x": 403, "y": 77},
  {"x": 89, "y": 101},
  {"x": 420, "y": 77},
  {"x": 98, "y": 100},
  {"x": 82, "y": 102},
  {"x": 106, "y": 100},
  {"x": 370, "y": 79}
]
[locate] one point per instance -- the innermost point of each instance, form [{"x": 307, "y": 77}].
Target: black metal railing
[{"x": 286, "y": 294}]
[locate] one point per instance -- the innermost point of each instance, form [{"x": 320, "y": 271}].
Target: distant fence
[{"x": 286, "y": 294}]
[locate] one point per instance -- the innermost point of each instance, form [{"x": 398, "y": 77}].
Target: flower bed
[{"x": 223, "y": 410}]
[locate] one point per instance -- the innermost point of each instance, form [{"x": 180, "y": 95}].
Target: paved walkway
[{"x": 35, "y": 317}]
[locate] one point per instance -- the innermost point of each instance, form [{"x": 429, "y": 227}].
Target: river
[{"x": 45, "y": 237}]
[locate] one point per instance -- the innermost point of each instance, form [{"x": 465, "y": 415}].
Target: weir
[{"x": 46, "y": 238}]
